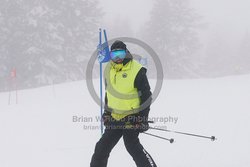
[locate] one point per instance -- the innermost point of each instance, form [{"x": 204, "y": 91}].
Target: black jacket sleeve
[{"x": 143, "y": 87}]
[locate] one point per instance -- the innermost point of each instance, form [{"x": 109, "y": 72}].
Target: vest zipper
[{"x": 115, "y": 79}]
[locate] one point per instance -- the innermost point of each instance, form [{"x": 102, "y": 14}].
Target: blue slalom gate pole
[
  {"x": 103, "y": 57},
  {"x": 101, "y": 112},
  {"x": 101, "y": 105}
]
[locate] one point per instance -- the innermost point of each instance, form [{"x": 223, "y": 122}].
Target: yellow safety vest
[{"x": 122, "y": 96}]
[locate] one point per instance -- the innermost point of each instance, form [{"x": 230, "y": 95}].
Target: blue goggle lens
[{"x": 117, "y": 54}]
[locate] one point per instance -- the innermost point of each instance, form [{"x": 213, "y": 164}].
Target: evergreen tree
[
  {"x": 172, "y": 32},
  {"x": 48, "y": 41}
]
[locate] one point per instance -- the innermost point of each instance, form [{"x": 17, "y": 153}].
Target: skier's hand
[
  {"x": 139, "y": 121},
  {"x": 143, "y": 121},
  {"x": 142, "y": 126},
  {"x": 106, "y": 118}
]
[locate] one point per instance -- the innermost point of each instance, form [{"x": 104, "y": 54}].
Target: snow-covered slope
[{"x": 39, "y": 131}]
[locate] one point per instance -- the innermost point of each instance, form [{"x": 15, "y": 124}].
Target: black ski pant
[{"x": 130, "y": 137}]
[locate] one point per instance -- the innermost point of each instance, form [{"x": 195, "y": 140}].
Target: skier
[{"x": 127, "y": 91}]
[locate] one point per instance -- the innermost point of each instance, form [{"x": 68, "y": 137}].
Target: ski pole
[
  {"x": 151, "y": 122},
  {"x": 150, "y": 134},
  {"x": 183, "y": 133}
]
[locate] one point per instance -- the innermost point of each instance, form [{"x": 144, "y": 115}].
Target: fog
[
  {"x": 224, "y": 15},
  {"x": 49, "y": 42},
  {"x": 222, "y": 31},
  {"x": 135, "y": 13},
  {"x": 204, "y": 50}
]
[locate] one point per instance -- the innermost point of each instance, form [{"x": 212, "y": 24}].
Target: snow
[{"x": 39, "y": 131}]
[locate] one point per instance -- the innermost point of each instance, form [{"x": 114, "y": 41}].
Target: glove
[
  {"x": 142, "y": 126},
  {"x": 140, "y": 121},
  {"x": 106, "y": 118}
]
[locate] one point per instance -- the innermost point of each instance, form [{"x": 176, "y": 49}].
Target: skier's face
[{"x": 117, "y": 56}]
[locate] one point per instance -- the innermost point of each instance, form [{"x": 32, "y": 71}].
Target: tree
[
  {"x": 172, "y": 32},
  {"x": 48, "y": 41}
]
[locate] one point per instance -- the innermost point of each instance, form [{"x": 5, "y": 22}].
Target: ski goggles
[{"x": 117, "y": 54}]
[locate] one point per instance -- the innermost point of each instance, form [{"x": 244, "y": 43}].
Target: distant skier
[{"x": 127, "y": 105}]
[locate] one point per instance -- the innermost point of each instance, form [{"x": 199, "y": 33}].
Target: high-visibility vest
[{"x": 123, "y": 97}]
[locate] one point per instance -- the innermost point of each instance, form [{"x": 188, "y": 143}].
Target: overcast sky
[
  {"x": 136, "y": 12},
  {"x": 233, "y": 14}
]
